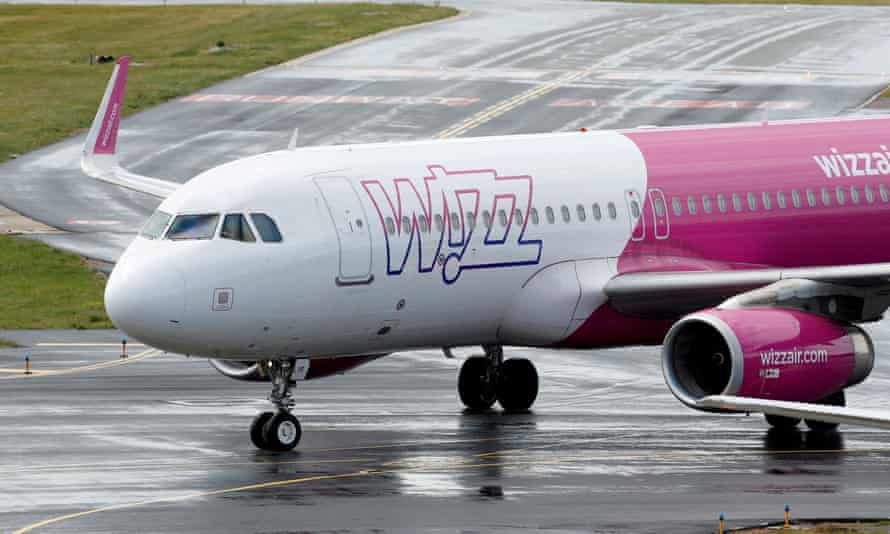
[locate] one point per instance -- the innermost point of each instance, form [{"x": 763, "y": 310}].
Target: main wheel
[
  {"x": 838, "y": 399},
  {"x": 282, "y": 432},
  {"x": 517, "y": 385},
  {"x": 781, "y": 422},
  {"x": 475, "y": 385},
  {"x": 256, "y": 429}
]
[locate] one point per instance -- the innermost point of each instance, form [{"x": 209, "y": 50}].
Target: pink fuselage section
[{"x": 764, "y": 195}]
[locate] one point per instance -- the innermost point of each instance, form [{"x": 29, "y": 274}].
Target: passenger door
[{"x": 351, "y": 224}]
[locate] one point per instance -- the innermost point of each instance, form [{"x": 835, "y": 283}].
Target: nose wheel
[
  {"x": 513, "y": 383},
  {"x": 278, "y": 431}
]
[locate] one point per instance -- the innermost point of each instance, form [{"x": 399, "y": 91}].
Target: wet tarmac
[
  {"x": 160, "y": 444},
  {"x": 501, "y": 68}
]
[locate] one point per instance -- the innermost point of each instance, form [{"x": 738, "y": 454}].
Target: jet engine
[
  {"x": 318, "y": 367},
  {"x": 766, "y": 353}
]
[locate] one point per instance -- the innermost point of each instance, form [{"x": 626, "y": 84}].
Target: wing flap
[
  {"x": 99, "y": 158},
  {"x": 801, "y": 410}
]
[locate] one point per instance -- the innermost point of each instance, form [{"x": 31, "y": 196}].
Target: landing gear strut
[
  {"x": 279, "y": 430},
  {"x": 484, "y": 379}
]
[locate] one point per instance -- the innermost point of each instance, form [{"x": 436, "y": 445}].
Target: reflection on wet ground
[{"x": 161, "y": 444}]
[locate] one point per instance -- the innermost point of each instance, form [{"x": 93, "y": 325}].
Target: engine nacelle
[
  {"x": 317, "y": 368},
  {"x": 766, "y": 353}
]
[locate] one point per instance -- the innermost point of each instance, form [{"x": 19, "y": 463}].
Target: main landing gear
[
  {"x": 279, "y": 430},
  {"x": 788, "y": 423},
  {"x": 485, "y": 379}
]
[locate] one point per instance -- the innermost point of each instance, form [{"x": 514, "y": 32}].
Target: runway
[
  {"x": 500, "y": 68},
  {"x": 160, "y": 444}
]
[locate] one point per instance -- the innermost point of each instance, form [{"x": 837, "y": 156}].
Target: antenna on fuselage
[{"x": 292, "y": 144}]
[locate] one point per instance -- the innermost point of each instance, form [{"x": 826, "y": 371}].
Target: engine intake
[{"x": 766, "y": 353}]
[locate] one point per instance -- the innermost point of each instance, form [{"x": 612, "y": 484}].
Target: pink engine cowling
[{"x": 766, "y": 353}]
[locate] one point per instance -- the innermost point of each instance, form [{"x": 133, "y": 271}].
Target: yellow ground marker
[{"x": 80, "y": 369}]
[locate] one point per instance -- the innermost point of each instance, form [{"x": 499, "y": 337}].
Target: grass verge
[
  {"x": 47, "y": 288},
  {"x": 49, "y": 91},
  {"x": 879, "y": 527},
  {"x": 7, "y": 344}
]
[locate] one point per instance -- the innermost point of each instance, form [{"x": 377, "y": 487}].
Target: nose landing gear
[
  {"x": 484, "y": 379},
  {"x": 279, "y": 430}
]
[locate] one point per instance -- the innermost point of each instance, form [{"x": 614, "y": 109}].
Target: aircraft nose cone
[{"x": 146, "y": 300}]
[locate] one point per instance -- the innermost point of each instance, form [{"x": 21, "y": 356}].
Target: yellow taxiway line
[{"x": 80, "y": 369}]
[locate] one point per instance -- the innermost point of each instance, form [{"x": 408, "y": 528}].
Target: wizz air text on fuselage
[
  {"x": 837, "y": 164},
  {"x": 440, "y": 219}
]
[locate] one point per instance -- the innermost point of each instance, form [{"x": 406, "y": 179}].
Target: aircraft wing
[
  {"x": 99, "y": 159},
  {"x": 672, "y": 294},
  {"x": 798, "y": 410}
]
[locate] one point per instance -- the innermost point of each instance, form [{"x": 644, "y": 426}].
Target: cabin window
[
  {"x": 826, "y": 196},
  {"x": 854, "y": 194},
  {"x": 471, "y": 220},
  {"x": 659, "y": 207},
  {"x": 156, "y": 225},
  {"x": 437, "y": 220},
  {"x": 706, "y": 204},
  {"x": 390, "y": 226},
  {"x": 266, "y": 227},
  {"x": 551, "y": 218},
  {"x": 635, "y": 209},
  {"x": 690, "y": 203},
  {"x": 502, "y": 217},
  {"x": 455, "y": 221},
  {"x": 597, "y": 212},
  {"x": 841, "y": 195},
  {"x": 811, "y": 198},
  {"x": 721, "y": 203},
  {"x": 424, "y": 224},
  {"x": 486, "y": 218},
  {"x": 517, "y": 217},
  {"x": 869, "y": 194},
  {"x": 883, "y": 190},
  {"x": 678, "y": 208},
  {"x": 235, "y": 227},
  {"x": 566, "y": 214},
  {"x": 582, "y": 213},
  {"x": 736, "y": 202},
  {"x": 193, "y": 227},
  {"x": 795, "y": 198},
  {"x": 533, "y": 216},
  {"x": 780, "y": 200},
  {"x": 613, "y": 212},
  {"x": 767, "y": 201},
  {"x": 752, "y": 201}
]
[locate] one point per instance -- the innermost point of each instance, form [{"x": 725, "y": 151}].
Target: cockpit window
[
  {"x": 235, "y": 227},
  {"x": 193, "y": 227},
  {"x": 266, "y": 227},
  {"x": 155, "y": 225}
]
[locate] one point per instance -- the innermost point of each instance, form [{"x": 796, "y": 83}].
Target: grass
[
  {"x": 47, "y": 288},
  {"x": 49, "y": 91},
  {"x": 7, "y": 344}
]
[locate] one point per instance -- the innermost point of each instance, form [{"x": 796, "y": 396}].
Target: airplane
[{"x": 750, "y": 252}]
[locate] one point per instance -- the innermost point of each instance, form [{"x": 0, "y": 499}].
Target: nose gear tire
[
  {"x": 256, "y": 429},
  {"x": 282, "y": 432}
]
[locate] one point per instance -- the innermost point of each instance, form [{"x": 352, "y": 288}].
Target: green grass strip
[{"x": 49, "y": 91}]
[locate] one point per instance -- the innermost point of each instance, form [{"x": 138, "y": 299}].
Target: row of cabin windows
[
  {"x": 580, "y": 212},
  {"x": 768, "y": 200}
]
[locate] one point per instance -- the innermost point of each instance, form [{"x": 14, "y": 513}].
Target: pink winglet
[{"x": 106, "y": 141}]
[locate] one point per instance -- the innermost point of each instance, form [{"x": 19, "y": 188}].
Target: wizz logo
[{"x": 455, "y": 220}]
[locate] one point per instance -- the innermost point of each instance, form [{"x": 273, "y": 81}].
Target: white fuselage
[{"x": 385, "y": 247}]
